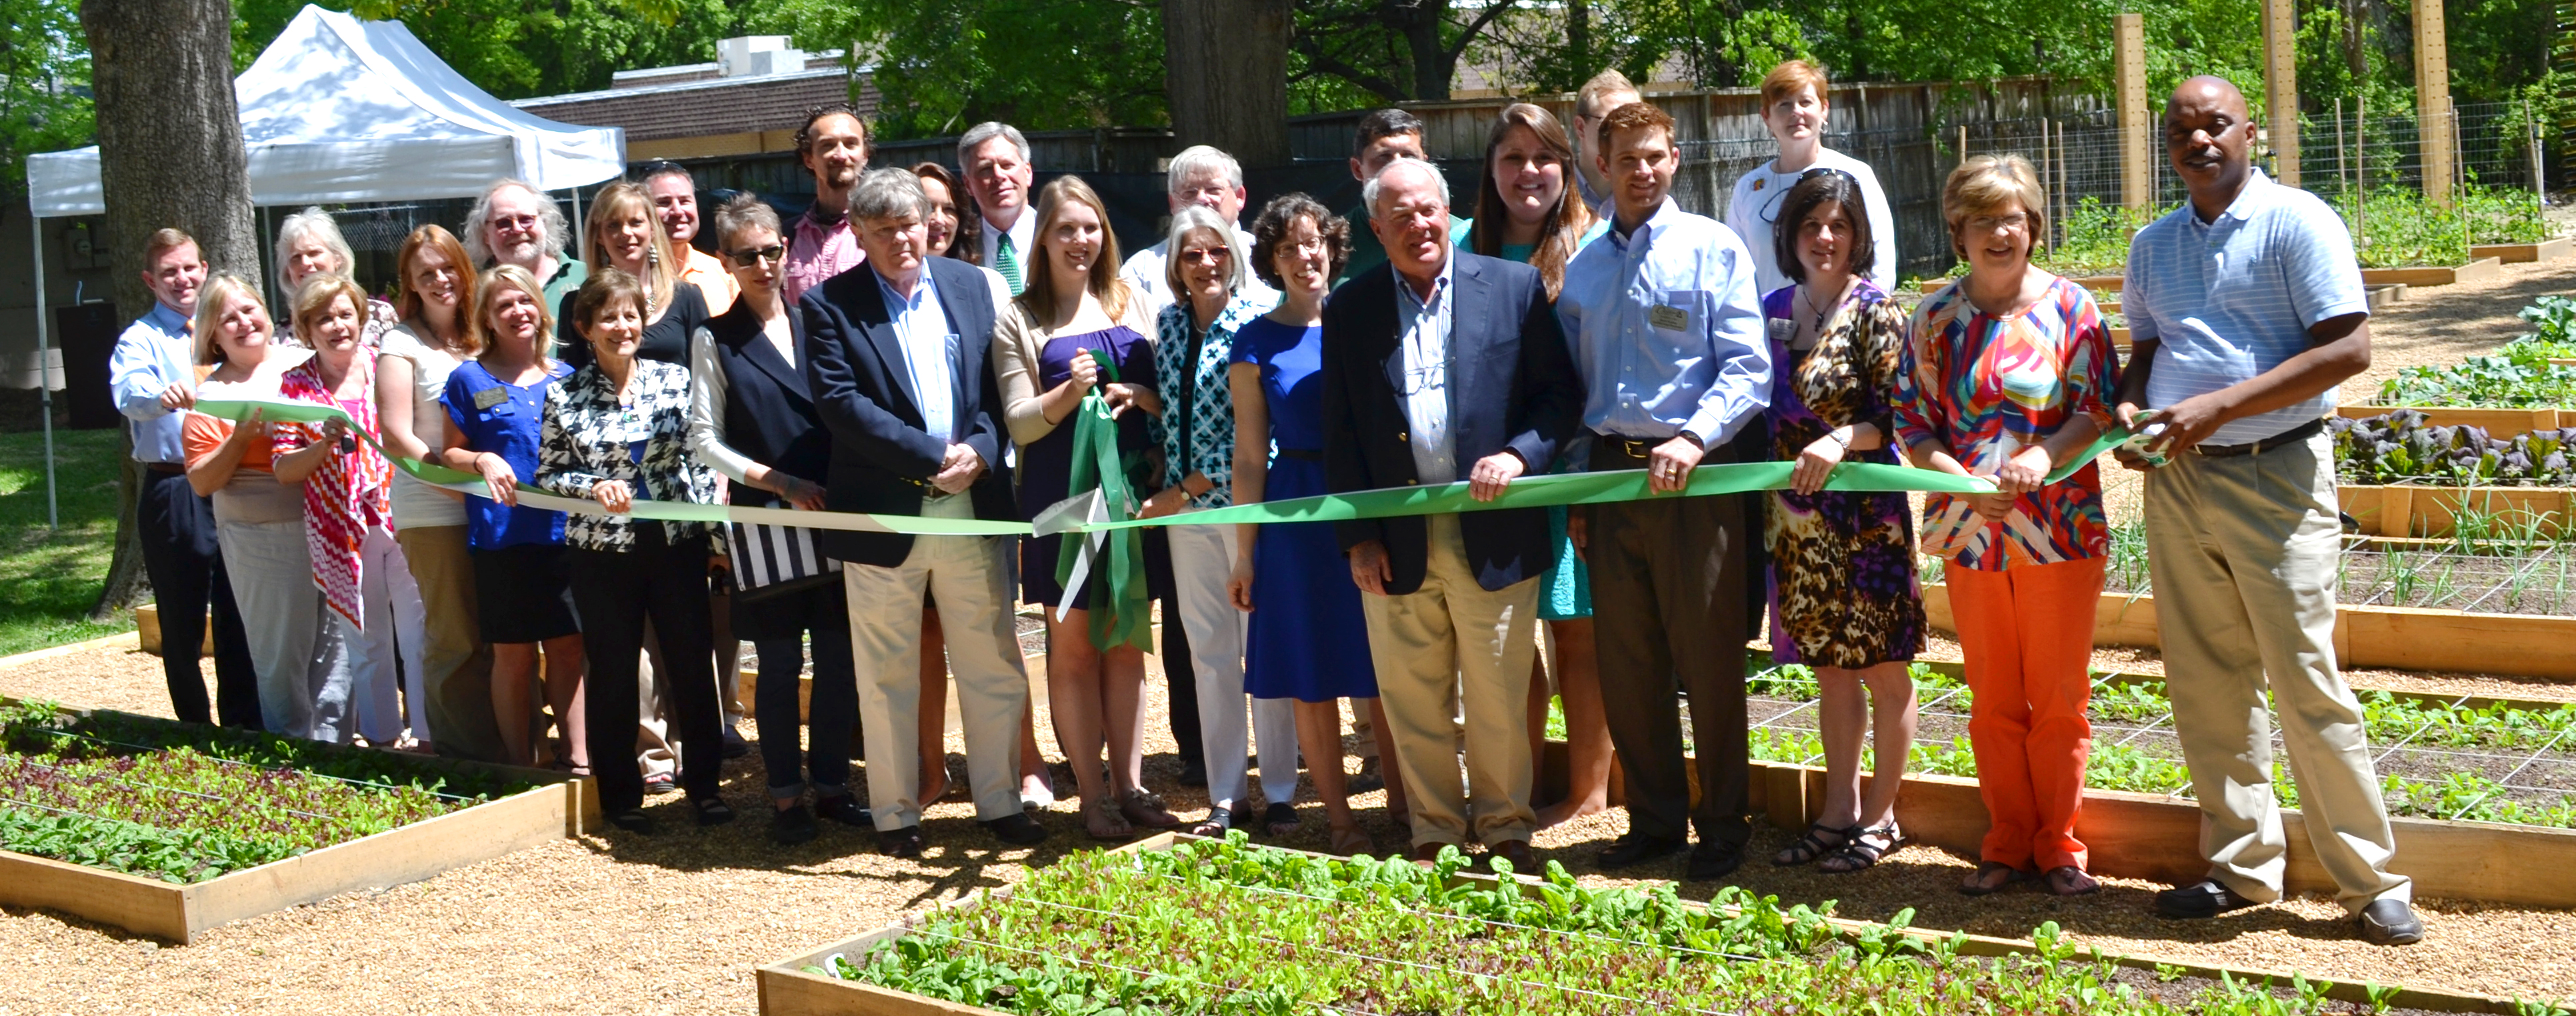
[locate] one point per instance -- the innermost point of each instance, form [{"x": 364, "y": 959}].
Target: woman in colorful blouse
[
  {"x": 2005, "y": 376},
  {"x": 1841, "y": 584},
  {"x": 1535, "y": 217},
  {"x": 1205, "y": 273},
  {"x": 617, "y": 432},
  {"x": 348, "y": 514}
]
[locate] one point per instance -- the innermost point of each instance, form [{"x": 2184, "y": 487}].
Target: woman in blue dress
[
  {"x": 1077, "y": 327},
  {"x": 1533, "y": 216},
  {"x": 1307, "y": 641}
]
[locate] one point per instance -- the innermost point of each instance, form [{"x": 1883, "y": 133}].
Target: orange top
[{"x": 202, "y": 434}]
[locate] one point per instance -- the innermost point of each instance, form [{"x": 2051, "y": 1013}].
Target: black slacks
[
  {"x": 1668, "y": 604},
  {"x": 187, "y": 573},
  {"x": 777, "y": 625},
  {"x": 615, "y": 592}
]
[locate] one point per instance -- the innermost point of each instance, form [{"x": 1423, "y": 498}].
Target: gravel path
[{"x": 676, "y": 922}]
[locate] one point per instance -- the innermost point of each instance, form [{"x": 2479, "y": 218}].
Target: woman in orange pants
[{"x": 2004, "y": 376}]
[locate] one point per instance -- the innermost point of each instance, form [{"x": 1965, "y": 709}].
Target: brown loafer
[
  {"x": 1518, "y": 853},
  {"x": 1426, "y": 854}
]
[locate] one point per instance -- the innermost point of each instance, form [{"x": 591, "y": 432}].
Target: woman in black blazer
[
  {"x": 752, "y": 418},
  {"x": 616, "y": 432}
]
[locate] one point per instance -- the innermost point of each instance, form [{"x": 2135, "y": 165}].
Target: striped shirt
[{"x": 2230, "y": 299}]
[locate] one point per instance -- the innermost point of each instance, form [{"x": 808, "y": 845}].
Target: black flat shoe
[
  {"x": 2199, "y": 901},
  {"x": 712, "y": 811},
  {"x": 1632, "y": 850},
  {"x": 633, "y": 820},
  {"x": 734, "y": 746},
  {"x": 1710, "y": 861},
  {"x": 1016, "y": 829},
  {"x": 904, "y": 842},
  {"x": 2391, "y": 922},
  {"x": 844, "y": 809},
  {"x": 792, "y": 826}
]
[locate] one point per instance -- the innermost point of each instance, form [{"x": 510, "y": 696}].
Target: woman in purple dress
[
  {"x": 1843, "y": 598},
  {"x": 1078, "y": 327}
]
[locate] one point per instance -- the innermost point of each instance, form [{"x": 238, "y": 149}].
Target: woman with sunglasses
[{"x": 1794, "y": 109}]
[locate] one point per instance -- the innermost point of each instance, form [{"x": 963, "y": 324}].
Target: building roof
[{"x": 712, "y": 108}]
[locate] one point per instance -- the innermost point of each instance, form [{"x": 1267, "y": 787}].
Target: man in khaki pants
[
  {"x": 1438, "y": 367},
  {"x": 2247, "y": 309}
]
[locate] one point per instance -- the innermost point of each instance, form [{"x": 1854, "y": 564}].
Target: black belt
[
  {"x": 167, "y": 467},
  {"x": 1301, "y": 454},
  {"x": 2293, "y": 435},
  {"x": 1640, "y": 449}
]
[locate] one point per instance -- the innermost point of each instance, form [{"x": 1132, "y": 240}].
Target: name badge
[
  {"x": 1784, "y": 331},
  {"x": 490, "y": 397},
  {"x": 1668, "y": 318}
]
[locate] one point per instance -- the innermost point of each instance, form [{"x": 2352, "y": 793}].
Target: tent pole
[
  {"x": 580, "y": 237},
  {"x": 44, "y": 375}
]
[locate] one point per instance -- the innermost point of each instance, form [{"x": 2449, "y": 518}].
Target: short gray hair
[
  {"x": 889, "y": 193},
  {"x": 317, "y": 222},
  {"x": 1197, "y": 159},
  {"x": 1194, "y": 219},
  {"x": 550, "y": 221},
  {"x": 741, "y": 212},
  {"x": 1369, "y": 191},
  {"x": 975, "y": 137}
]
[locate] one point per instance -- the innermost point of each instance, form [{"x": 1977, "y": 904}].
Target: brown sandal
[{"x": 1978, "y": 883}]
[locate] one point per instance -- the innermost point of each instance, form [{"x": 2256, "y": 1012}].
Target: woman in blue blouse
[
  {"x": 1307, "y": 640},
  {"x": 617, "y": 432},
  {"x": 522, "y": 580},
  {"x": 1205, "y": 273}
]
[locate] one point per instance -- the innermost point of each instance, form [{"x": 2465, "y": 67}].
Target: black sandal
[
  {"x": 1280, "y": 819},
  {"x": 1811, "y": 846},
  {"x": 1213, "y": 827},
  {"x": 1859, "y": 853}
]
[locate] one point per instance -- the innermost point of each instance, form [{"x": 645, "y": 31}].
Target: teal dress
[{"x": 1565, "y": 588}]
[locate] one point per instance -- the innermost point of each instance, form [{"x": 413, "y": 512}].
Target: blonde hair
[
  {"x": 211, "y": 301},
  {"x": 658, "y": 279},
  {"x": 314, "y": 297},
  {"x": 1039, "y": 297},
  {"x": 1983, "y": 185},
  {"x": 487, "y": 290},
  {"x": 1587, "y": 101}
]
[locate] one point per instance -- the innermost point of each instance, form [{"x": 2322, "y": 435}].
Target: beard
[{"x": 520, "y": 252}]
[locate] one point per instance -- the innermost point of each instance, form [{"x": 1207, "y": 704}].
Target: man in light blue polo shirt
[
  {"x": 152, "y": 376},
  {"x": 2247, "y": 310}
]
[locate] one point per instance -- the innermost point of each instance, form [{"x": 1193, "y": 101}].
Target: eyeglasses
[
  {"x": 515, "y": 221},
  {"x": 1992, "y": 223},
  {"x": 748, "y": 258}
]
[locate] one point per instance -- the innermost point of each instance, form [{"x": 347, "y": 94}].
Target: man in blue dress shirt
[
  {"x": 1667, "y": 336},
  {"x": 153, "y": 378}
]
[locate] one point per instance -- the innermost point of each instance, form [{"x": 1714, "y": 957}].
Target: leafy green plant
[
  {"x": 2404, "y": 446},
  {"x": 2518, "y": 381}
]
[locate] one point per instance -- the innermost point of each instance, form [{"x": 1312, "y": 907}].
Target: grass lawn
[{"x": 49, "y": 578}]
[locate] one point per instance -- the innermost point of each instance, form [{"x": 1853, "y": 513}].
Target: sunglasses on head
[{"x": 748, "y": 258}]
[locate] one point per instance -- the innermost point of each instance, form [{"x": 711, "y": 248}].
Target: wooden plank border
[
  {"x": 2524, "y": 253},
  {"x": 2475, "y": 270},
  {"x": 2501, "y": 423},
  {"x": 2418, "y": 510},
  {"x": 787, "y": 990},
  {"x": 561, "y": 808}
]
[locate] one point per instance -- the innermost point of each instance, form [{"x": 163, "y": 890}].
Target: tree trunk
[
  {"x": 1578, "y": 40},
  {"x": 170, "y": 154},
  {"x": 1418, "y": 21},
  {"x": 1226, "y": 76}
]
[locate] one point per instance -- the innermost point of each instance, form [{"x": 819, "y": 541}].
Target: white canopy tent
[{"x": 340, "y": 110}]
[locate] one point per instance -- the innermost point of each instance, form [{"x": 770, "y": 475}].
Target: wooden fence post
[
  {"x": 2137, "y": 127},
  {"x": 2433, "y": 120},
  {"x": 2281, "y": 86}
]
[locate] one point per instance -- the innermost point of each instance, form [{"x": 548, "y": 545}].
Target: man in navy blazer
[
  {"x": 896, "y": 361},
  {"x": 1440, "y": 367}
]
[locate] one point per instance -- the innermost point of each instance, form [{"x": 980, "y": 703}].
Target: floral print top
[
  {"x": 1197, "y": 426},
  {"x": 1990, "y": 387}
]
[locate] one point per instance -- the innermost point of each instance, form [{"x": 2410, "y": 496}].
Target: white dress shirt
[
  {"x": 1024, "y": 235},
  {"x": 929, "y": 351}
]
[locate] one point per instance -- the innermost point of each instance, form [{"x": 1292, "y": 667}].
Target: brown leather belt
[{"x": 2291, "y": 436}]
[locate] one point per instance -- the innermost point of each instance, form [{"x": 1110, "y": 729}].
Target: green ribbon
[
  {"x": 1100, "y": 477},
  {"x": 2102, "y": 445},
  {"x": 1118, "y": 604}
]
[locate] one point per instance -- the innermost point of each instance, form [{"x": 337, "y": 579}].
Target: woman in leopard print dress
[{"x": 1842, "y": 591}]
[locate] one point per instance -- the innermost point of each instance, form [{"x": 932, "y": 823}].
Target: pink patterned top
[
  {"x": 1989, "y": 388},
  {"x": 816, "y": 252}
]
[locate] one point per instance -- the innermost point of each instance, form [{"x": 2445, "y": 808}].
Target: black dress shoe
[
  {"x": 904, "y": 842},
  {"x": 792, "y": 826},
  {"x": 1714, "y": 860},
  {"x": 712, "y": 811},
  {"x": 1633, "y": 849},
  {"x": 633, "y": 820},
  {"x": 2391, "y": 922},
  {"x": 1518, "y": 853},
  {"x": 844, "y": 809},
  {"x": 734, "y": 746},
  {"x": 2199, "y": 901},
  {"x": 1016, "y": 829}
]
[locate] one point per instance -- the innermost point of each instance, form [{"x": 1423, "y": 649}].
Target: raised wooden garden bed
[
  {"x": 1265, "y": 930},
  {"x": 2413, "y": 510},
  {"x": 147, "y": 627},
  {"x": 2477, "y": 269},
  {"x": 2497, "y": 422},
  {"x": 60, "y": 792},
  {"x": 2524, "y": 253}
]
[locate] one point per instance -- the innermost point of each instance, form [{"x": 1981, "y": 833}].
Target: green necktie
[{"x": 1008, "y": 263}]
